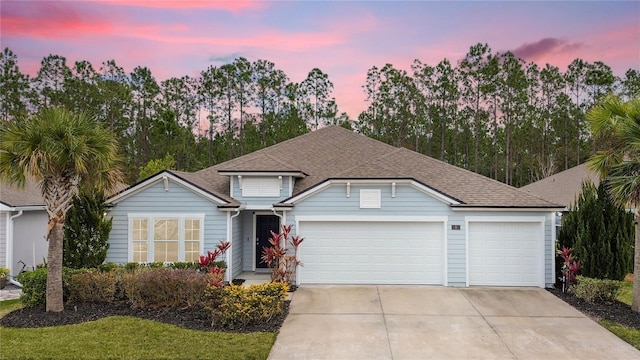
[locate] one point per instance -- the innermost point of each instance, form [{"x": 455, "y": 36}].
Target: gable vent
[
  {"x": 260, "y": 187},
  {"x": 370, "y": 199}
]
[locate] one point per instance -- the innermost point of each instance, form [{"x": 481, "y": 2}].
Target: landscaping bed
[
  {"x": 615, "y": 311},
  {"x": 189, "y": 318}
]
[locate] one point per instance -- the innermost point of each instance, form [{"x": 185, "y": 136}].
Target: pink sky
[{"x": 343, "y": 39}]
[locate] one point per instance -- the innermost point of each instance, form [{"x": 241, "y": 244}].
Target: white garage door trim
[
  {"x": 510, "y": 219},
  {"x": 360, "y": 218}
]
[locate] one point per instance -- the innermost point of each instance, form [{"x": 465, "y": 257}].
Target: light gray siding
[
  {"x": 247, "y": 239},
  {"x": 249, "y": 201},
  {"x": 154, "y": 199},
  {"x": 237, "y": 246},
  {"x": 4, "y": 218},
  {"x": 29, "y": 239},
  {"x": 410, "y": 201}
]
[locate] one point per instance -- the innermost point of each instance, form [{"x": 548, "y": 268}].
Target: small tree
[
  {"x": 155, "y": 166},
  {"x": 600, "y": 233},
  {"x": 86, "y": 232}
]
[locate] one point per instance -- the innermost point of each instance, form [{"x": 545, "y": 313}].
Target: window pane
[
  {"x": 165, "y": 251},
  {"x": 140, "y": 229},
  {"x": 140, "y": 251},
  {"x": 165, "y": 229},
  {"x": 192, "y": 229},
  {"x": 191, "y": 250}
]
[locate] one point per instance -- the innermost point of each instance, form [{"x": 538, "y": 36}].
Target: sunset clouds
[{"x": 344, "y": 39}]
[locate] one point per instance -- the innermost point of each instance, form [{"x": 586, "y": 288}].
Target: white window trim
[{"x": 151, "y": 217}]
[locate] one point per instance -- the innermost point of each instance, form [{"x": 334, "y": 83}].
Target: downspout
[
  {"x": 230, "y": 237},
  {"x": 10, "y": 248}
]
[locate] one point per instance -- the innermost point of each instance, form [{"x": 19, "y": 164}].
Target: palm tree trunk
[
  {"x": 635, "y": 303},
  {"x": 54, "y": 269}
]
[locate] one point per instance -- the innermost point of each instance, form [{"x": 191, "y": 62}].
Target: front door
[{"x": 265, "y": 224}]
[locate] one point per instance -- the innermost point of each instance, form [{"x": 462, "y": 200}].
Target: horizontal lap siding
[
  {"x": 4, "y": 217},
  {"x": 408, "y": 201},
  {"x": 155, "y": 199},
  {"x": 237, "y": 246}
]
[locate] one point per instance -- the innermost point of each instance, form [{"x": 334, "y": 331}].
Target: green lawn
[
  {"x": 626, "y": 292},
  {"x": 123, "y": 337},
  {"x": 632, "y": 336}
]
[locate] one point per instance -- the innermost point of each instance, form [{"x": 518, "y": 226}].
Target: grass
[
  {"x": 625, "y": 293},
  {"x": 630, "y": 335},
  {"x": 125, "y": 337}
]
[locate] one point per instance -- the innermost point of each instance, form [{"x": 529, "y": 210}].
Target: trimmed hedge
[
  {"x": 34, "y": 285},
  {"x": 239, "y": 306},
  {"x": 596, "y": 290}
]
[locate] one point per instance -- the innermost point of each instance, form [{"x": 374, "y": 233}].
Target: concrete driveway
[{"x": 421, "y": 322}]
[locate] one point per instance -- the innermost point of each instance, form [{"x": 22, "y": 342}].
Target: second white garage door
[
  {"x": 341, "y": 252},
  {"x": 505, "y": 253}
]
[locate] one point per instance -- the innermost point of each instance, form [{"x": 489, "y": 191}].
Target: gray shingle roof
[
  {"x": 17, "y": 197},
  {"x": 563, "y": 187},
  {"x": 337, "y": 153}
]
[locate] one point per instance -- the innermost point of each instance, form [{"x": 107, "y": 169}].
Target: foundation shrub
[
  {"x": 94, "y": 286},
  {"x": 166, "y": 288},
  {"x": 34, "y": 285},
  {"x": 240, "y": 307},
  {"x": 596, "y": 290}
]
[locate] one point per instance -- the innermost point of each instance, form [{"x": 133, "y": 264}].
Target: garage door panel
[
  {"x": 505, "y": 254},
  {"x": 372, "y": 252}
]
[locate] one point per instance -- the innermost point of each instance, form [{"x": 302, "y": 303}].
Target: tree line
[{"x": 490, "y": 112}]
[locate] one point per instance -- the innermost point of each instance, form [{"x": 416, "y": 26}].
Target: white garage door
[
  {"x": 505, "y": 254},
  {"x": 371, "y": 252}
]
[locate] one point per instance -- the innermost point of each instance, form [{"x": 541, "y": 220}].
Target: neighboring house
[
  {"x": 23, "y": 227},
  {"x": 564, "y": 187},
  {"x": 370, "y": 213}
]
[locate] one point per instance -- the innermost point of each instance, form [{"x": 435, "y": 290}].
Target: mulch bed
[
  {"x": 614, "y": 311},
  {"x": 190, "y": 318}
]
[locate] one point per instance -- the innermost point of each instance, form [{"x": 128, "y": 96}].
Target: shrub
[
  {"x": 600, "y": 233},
  {"x": 239, "y": 306},
  {"x": 34, "y": 285},
  {"x": 283, "y": 265},
  {"x": 94, "y": 286},
  {"x": 166, "y": 288},
  {"x": 596, "y": 290},
  {"x": 86, "y": 232}
]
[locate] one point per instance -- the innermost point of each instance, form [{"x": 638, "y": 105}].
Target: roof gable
[
  {"x": 563, "y": 187},
  {"x": 189, "y": 181}
]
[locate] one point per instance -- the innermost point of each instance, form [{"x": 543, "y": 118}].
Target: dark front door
[{"x": 265, "y": 224}]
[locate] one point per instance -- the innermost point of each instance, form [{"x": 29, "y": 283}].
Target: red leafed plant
[
  {"x": 278, "y": 258},
  {"x": 209, "y": 263},
  {"x": 570, "y": 267}
]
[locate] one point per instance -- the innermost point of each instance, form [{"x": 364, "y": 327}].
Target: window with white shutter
[{"x": 260, "y": 187}]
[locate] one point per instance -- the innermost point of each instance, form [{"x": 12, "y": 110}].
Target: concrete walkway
[
  {"x": 420, "y": 322},
  {"x": 10, "y": 291}
]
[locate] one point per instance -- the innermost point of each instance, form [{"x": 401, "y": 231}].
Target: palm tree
[
  {"x": 58, "y": 150},
  {"x": 616, "y": 129}
]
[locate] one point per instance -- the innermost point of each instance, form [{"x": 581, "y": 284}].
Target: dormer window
[{"x": 260, "y": 186}]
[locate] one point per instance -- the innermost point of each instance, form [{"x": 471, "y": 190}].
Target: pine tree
[{"x": 86, "y": 232}]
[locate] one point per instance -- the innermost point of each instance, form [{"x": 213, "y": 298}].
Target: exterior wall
[
  {"x": 247, "y": 240},
  {"x": 4, "y": 218},
  {"x": 410, "y": 201},
  {"x": 154, "y": 199},
  {"x": 29, "y": 239},
  {"x": 237, "y": 246},
  {"x": 261, "y": 201}
]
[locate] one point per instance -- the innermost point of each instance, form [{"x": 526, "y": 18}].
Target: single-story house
[
  {"x": 370, "y": 213},
  {"x": 564, "y": 187},
  {"x": 23, "y": 227}
]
